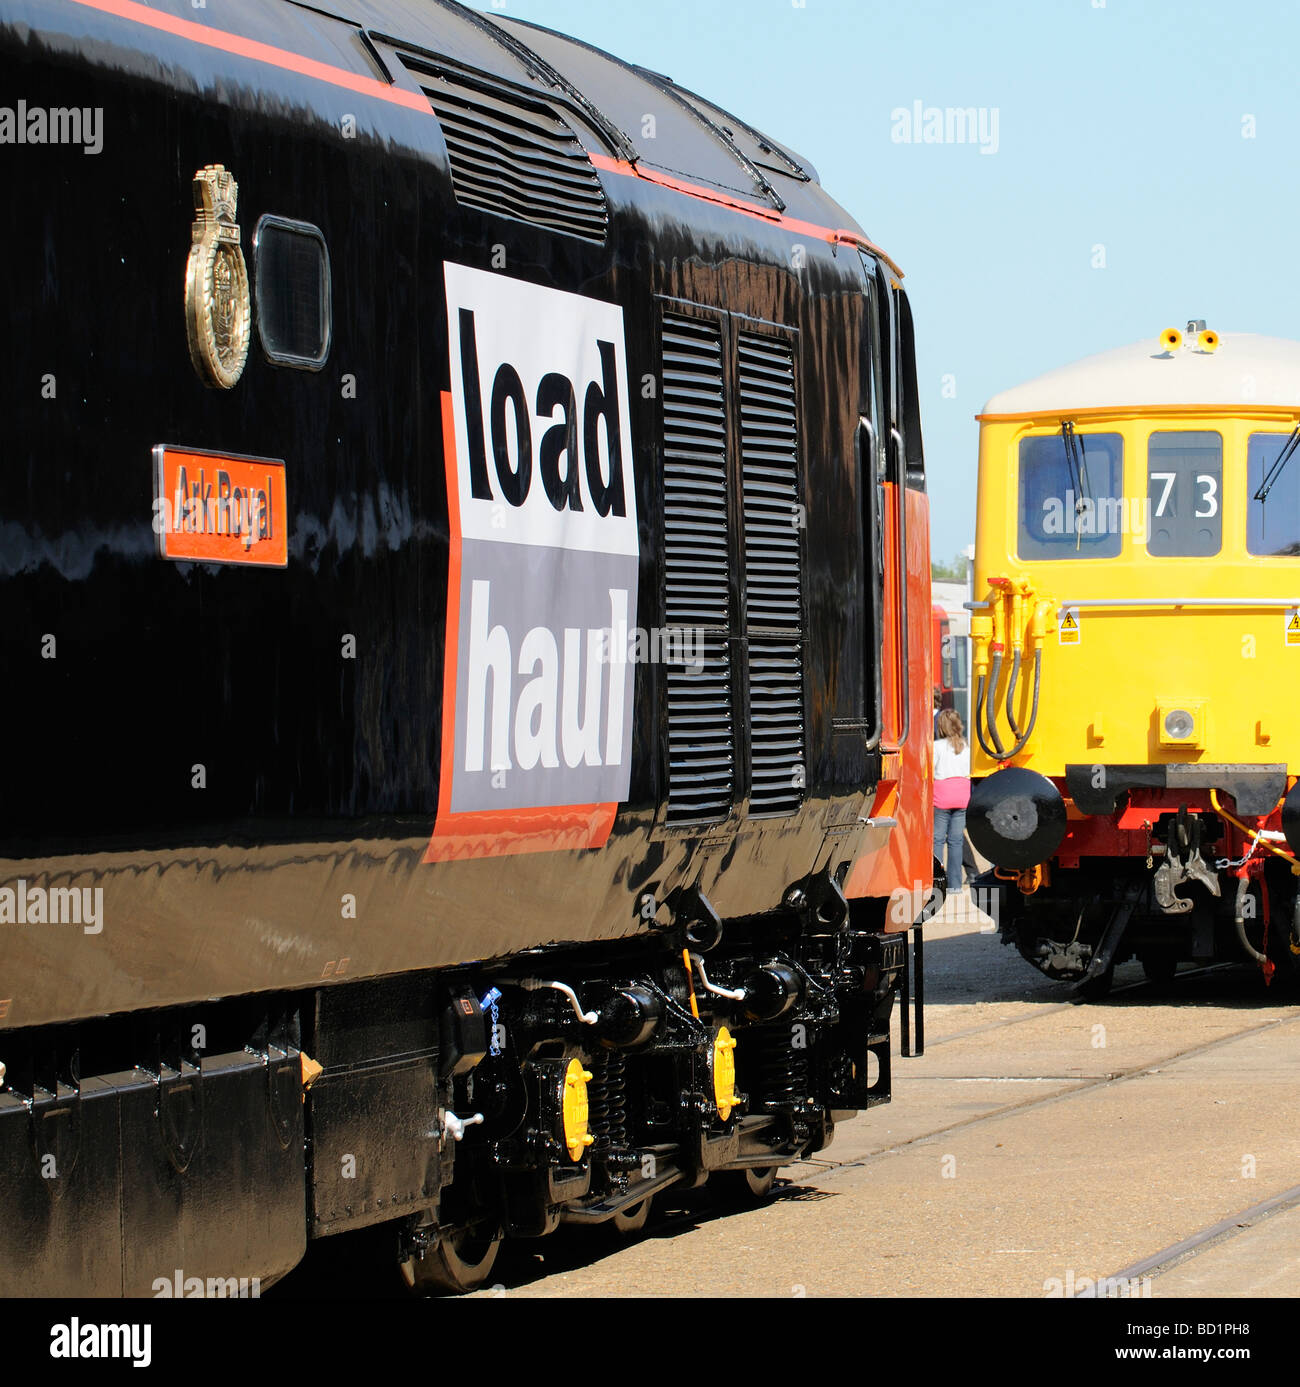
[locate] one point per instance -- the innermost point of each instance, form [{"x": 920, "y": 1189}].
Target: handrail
[
  {"x": 864, "y": 423},
  {"x": 905, "y": 710},
  {"x": 1285, "y": 602}
]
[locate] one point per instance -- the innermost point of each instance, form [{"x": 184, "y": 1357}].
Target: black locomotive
[{"x": 443, "y": 531}]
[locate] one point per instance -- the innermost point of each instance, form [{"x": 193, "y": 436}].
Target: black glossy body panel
[
  {"x": 258, "y": 1033},
  {"x": 126, "y": 673}
]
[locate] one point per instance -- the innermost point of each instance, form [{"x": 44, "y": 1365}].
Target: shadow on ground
[{"x": 361, "y": 1266}]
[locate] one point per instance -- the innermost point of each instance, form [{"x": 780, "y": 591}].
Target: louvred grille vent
[
  {"x": 773, "y": 573},
  {"x": 701, "y": 756},
  {"x": 517, "y": 158}
]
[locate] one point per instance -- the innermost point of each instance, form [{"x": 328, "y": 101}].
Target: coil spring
[
  {"x": 607, "y": 1101},
  {"x": 781, "y": 1070}
]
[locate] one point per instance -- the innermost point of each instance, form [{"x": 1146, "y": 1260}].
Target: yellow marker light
[
  {"x": 1208, "y": 340},
  {"x": 1171, "y": 339},
  {"x": 724, "y": 1072},
  {"x": 576, "y": 1136}
]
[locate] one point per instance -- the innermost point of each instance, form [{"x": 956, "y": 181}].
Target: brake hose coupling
[
  {"x": 589, "y": 1018},
  {"x": 454, "y": 1126},
  {"x": 981, "y": 632},
  {"x": 1042, "y": 623}
]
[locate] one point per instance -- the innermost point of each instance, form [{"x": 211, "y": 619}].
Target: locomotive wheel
[
  {"x": 630, "y": 1221},
  {"x": 749, "y": 1186},
  {"x": 462, "y": 1261}
]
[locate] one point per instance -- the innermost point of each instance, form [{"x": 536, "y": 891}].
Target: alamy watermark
[
  {"x": 22, "y": 904},
  {"x": 980, "y": 906},
  {"x": 73, "y": 1339},
  {"x": 921, "y": 124},
  {"x": 178, "y": 1286},
  {"x": 1104, "y": 515},
  {"x": 1071, "y": 1287},
  {"x": 24, "y": 124}
]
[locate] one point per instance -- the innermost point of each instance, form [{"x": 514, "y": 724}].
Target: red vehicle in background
[{"x": 950, "y": 644}]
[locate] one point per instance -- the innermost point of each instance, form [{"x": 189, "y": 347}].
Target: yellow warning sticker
[
  {"x": 1293, "y": 628},
  {"x": 1068, "y": 630}
]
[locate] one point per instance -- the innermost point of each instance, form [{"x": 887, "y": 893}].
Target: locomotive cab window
[
  {"x": 1184, "y": 484},
  {"x": 1272, "y": 496},
  {"x": 293, "y": 292},
  {"x": 1071, "y": 495}
]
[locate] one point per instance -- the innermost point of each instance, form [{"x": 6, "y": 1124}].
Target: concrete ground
[{"x": 1038, "y": 1143}]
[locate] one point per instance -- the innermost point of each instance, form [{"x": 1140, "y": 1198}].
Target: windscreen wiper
[
  {"x": 1275, "y": 471},
  {"x": 1076, "y": 460}
]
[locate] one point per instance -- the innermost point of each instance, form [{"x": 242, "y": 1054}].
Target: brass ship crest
[{"x": 218, "y": 314}]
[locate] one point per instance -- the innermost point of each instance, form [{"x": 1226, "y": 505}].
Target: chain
[{"x": 1229, "y": 862}]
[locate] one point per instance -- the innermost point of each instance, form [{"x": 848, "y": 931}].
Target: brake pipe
[
  {"x": 539, "y": 984},
  {"x": 1257, "y": 841},
  {"x": 996, "y": 649},
  {"x": 991, "y": 703},
  {"x": 1016, "y": 637},
  {"x": 731, "y": 994},
  {"x": 1256, "y": 834},
  {"x": 1239, "y": 923},
  {"x": 1039, "y": 624},
  {"x": 1019, "y": 618},
  {"x": 988, "y": 751},
  {"x": 981, "y": 631}
]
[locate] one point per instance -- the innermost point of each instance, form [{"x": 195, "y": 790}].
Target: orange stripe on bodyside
[
  {"x": 289, "y": 61},
  {"x": 1103, "y": 412},
  {"x": 497, "y": 832},
  {"x": 839, "y": 236},
  {"x": 242, "y": 47},
  {"x": 451, "y": 644}
]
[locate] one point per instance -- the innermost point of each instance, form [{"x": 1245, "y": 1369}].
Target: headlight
[{"x": 1179, "y": 725}]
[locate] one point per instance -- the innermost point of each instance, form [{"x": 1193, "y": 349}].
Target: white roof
[{"x": 1247, "y": 369}]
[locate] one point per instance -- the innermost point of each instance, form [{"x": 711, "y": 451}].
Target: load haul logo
[{"x": 542, "y": 585}]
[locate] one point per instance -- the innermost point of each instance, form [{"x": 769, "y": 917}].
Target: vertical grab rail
[
  {"x": 869, "y": 474},
  {"x": 904, "y": 710},
  {"x": 911, "y": 987},
  {"x": 905, "y": 1001}
]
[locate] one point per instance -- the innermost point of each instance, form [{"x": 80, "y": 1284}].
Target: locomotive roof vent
[{"x": 516, "y": 156}]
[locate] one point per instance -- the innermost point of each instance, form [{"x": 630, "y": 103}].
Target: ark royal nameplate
[{"x": 220, "y": 508}]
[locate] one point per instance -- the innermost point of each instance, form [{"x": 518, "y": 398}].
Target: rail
[{"x": 1284, "y": 603}]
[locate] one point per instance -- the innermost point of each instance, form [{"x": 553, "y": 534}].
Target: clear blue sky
[{"x": 1119, "y": 125}]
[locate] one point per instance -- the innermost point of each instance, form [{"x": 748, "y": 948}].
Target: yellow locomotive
[{"x": 1136, "y": 645}]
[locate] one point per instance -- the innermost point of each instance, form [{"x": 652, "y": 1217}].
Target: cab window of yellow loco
[
  {"x": 1273, "y": 524},
  {"x": 1184, "y": 487},
  {"x": 1071, "y": 509}
]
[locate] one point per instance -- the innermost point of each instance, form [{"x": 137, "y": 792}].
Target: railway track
[
  {"x": 1127, "y": 1173},
  {"x": 1132, "y": 990},
  {"x": 1117, "y": 1077},
  {"x": 1011, "y": 1102},
  {"x": 1237, "y": 1225}
]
